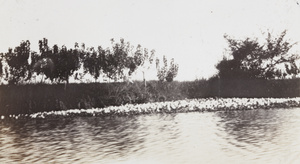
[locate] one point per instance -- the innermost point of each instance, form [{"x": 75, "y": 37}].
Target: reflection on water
[{"x": 255, "y": 136}]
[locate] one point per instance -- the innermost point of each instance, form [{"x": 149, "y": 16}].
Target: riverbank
[
  {"x": 34, "y": 98},
  {"x": 188, "y": 105}
]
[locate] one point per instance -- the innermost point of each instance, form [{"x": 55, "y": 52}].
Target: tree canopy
[
  {"x": 250, "y": 59},
  {"x": 165, "y": 72},
  {"x": 17, "y": 61},
  {"x": 58, "y": 64}
]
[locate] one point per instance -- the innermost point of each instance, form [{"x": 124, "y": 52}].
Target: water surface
[{"x": 254, "y": 136}]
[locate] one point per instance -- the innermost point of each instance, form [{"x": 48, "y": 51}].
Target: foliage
[
  {"x": 172, "y": 72},
  {"x": 17, "y": 61},
  {"x": 161, "y": 72},
  {"x": 249, "y": 59},
  {"x": 56, "y": 63},
  {"x": 143, "y": 59},
  {"x": 117, "y": 59},
  {"x": 165, "y": 73},
  {"x": 45, "y": 62},
  {"x": 68, "y": 62},
  {"x": 121, "y": 60},
  {"x": 94, "y": 61}
]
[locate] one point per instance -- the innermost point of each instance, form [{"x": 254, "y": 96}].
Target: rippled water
[{"x": 255, "y": 136}]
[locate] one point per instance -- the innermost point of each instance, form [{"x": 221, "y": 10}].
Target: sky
[{"x": 190, "y": 31}]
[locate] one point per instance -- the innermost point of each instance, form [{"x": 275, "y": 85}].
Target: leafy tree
[
  {"x": 94, "y": 62},
  {"x": 144, "y": 60},
  {"x": 161, "y": 72},
  {"x": 67, "y": 63},
  {"x": 56, "y": 63},
  {"x": 277, "y": 52},
  {"x": 17, "y": 61},
  {"x": 121, "y": 60},
  {"x": 118, "y": 60},
  {"x": 249, "y": 59},
  {"x": 111, "y": 65},
  {"x": 45, "y": 62},
  {"x": 172, "y": 72},
  {"x": 135, "y": 60},
  {"x": 44, "y": 66},
  {"x": 166, "y": 73}
]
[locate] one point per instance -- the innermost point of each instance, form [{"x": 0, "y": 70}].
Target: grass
[{"x": 32, "y": 98}]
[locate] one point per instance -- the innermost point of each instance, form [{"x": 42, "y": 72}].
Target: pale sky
[{"x": 190, "y": 31}]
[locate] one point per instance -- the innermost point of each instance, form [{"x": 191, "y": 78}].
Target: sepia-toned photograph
[{"x": 150, "y": 81}]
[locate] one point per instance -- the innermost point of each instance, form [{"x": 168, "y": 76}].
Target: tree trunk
[
  {"x": 67, "y": 82},
  {"x": 99, "y": 77},
  {"x": 42, "y": 78}
]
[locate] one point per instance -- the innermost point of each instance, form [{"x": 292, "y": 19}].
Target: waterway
[{"x": 252, "y": 136}]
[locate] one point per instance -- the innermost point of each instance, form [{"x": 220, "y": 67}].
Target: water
[{"x": 255, "y": 136}]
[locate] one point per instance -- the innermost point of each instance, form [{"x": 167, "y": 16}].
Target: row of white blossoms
[{"x": 187, "y": 105}]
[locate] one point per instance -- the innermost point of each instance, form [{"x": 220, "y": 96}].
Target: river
[{"x": 252, "y": 136}]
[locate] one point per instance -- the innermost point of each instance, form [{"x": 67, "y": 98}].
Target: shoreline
[
  {"x": 33, "y": 98},
  {"x": 179, "y": 106}
]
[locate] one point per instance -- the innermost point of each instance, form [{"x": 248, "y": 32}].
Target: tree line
[
  {"x": 249, "y": 59},
  {"x": 58, "y": 64},
  {"x": 246, "y": 59}
]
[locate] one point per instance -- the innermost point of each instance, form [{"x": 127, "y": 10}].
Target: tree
[
  {"x": 277, "y": 52},
  {"x": 59, "y": 63},
  {"x": 17, "y": 61},
  {"x": 56, "y": 63},
  {"x": 121, "y": 61},
  {"x": 144, "y": 60},
  {"x": 249, "y": 59},
  {"x": 44, "y": 66},
  {"x": 116, "y": 59},
  {"x": 165, "y": 73},
  {"x": 67, "y": 63},
  {"x": 172, "y": 72},
  {"x": 43, "y": 63},
  {"x": 94, "y": 62},
  {"x": 161, "y": 71}
]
